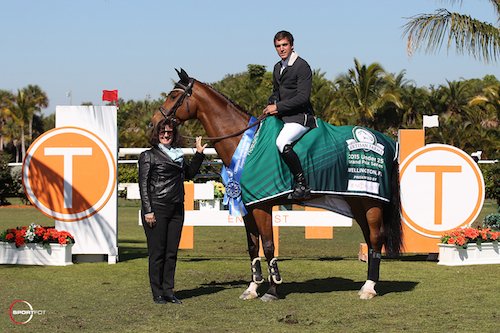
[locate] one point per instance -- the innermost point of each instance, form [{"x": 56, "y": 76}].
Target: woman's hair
[
  {"x": 282, "y": 35},
  {"x": 155, "y": 132}
]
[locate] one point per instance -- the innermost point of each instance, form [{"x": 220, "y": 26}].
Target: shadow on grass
[
  {"x": 330, "y": 258},
  {"x": 126, "y": 253},
  {"x": 210, "y": 288},
  {"x": 339, "y": 284},
  {"x": 313, "y": 286}
]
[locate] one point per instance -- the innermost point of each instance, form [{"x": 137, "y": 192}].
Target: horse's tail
[{"x": 393, "y": 230}]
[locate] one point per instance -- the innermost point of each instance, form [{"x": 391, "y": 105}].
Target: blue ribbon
[{"x": 231, "y": 175}]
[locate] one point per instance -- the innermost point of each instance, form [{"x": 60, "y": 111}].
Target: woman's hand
[
  {"x": 150, "y": 219},
  {"x": 199, "y": 147}
]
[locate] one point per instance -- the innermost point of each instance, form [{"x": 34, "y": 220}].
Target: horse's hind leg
[
  {"x": 253, "y": 250},
  {"x": 369, "y": 215}
]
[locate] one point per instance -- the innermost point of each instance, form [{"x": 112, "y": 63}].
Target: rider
[{"x": 290, "y": 102}]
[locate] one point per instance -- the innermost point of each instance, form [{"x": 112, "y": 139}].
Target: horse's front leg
[
  {"x": 263, "y": 220},
  {"x": 253, "y": 250},
  {"x": 369, "y": 216}
]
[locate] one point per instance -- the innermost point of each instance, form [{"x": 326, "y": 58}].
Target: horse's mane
[{"x": 229, "y": 100}]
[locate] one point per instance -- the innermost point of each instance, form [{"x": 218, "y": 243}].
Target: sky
[{"x": 86, "y": 46}]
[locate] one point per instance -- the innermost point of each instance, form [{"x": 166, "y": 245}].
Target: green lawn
[{"x": 321, "y": 279}]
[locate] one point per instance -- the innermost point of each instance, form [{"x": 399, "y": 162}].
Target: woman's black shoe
[
  {"x": 159, "y": 299},
  {"x": 172, "y": 299}
]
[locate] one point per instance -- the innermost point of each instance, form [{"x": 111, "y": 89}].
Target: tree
[
  {"x": 37, "y": 100},
  {"x": 6, "y": 102},
  {"x": 322, "y": 94},
  {"x": 365, "y": 90},
  {"x": 249, "y": 89},
  {"x": 28, "y": 101},
  {"x": 479, "y": 39}
]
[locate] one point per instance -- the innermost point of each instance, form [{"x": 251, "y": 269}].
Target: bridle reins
[{"x": 187, "y": 91}]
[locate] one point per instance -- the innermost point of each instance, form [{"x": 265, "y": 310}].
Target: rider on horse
[{"x": 290, "y": 102}]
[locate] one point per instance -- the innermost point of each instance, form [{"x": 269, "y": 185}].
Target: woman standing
[{"x": 162, "y": 170}]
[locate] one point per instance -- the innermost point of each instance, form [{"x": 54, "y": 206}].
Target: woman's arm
[
  {"x": 145, "y": 166},
  {"x": 192, "y": 168}
]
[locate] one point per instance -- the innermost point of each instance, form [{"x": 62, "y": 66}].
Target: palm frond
[{"x": 430, "y": 31}]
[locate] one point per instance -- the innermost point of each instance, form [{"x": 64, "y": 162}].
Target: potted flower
[
  {"x": 36, "y": 245},
  {"x": 469, "y": 246}
]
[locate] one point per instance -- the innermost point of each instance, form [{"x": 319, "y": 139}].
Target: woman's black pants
[{"x": 163, "y": 243}]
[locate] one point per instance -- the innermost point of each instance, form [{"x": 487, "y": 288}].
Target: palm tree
[
  {"x": 489, "y": 102},
  {"x": 479, "y": 39},
  {"x": 321, "y": 93},
  {"x": 365, "y": 90},
  {"x": 6, "y": 101},
  {"x": 37, "y": 100},
  {"x": 20, "y": 115},
  {"x": 28, "y": 101},
  {"x": 455, "y": 96}
]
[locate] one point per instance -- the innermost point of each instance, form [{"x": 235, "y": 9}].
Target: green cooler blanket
[{"x": 337, "y": 160}]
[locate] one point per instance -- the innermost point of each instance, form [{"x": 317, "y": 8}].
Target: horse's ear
[{"x": 183, "y": 76}]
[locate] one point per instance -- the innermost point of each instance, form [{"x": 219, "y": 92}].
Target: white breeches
[{"x": 290, "y": 133}]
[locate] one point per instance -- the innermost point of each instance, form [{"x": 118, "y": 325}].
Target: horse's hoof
[
  {"x": 268, "y": 298},
  {"x": 248, "y": 295},
  {"x": 367, "y": 291},
  {"x": 366, "y": 294}
]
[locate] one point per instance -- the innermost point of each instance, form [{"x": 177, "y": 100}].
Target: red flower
[{"x": 44, "y": 235}]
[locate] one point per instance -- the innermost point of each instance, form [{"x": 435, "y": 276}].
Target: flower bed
[
  {"x": 36, "y": 234},
  {"x": 469, "y": 246},
  {"x": 36, "y": 245},
  {"x": 464, "y": 236}
]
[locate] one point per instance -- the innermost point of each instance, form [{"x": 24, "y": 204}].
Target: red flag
[{"x": 110, "y": 95}]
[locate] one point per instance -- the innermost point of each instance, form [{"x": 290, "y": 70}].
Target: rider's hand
[{"x": 271, "y": 109}]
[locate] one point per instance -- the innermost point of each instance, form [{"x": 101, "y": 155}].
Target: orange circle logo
[
  {"x": 442, "y": 188},
  {"x": 69, "y": 173}
]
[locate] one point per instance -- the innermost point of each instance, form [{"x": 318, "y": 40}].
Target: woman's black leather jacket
[{"x": 161, "y": 180}]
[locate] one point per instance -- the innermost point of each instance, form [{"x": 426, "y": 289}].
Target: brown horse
[{"x": 224, "y": 122}]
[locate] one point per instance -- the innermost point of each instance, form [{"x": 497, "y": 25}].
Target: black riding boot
[{"x": 300, "y": 190}]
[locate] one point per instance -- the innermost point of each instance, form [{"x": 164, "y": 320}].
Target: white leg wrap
[
  {"x": 368, "y": 290},
  {"x": 250, "y": 292}
]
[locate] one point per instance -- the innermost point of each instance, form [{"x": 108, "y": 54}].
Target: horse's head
[{"x": 179, "y": 105}]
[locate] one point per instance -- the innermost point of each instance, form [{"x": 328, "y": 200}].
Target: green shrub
[
  {"x": 6, "y": 181},
  {"x": 491, "y": 175},
  {"x": 492, "y": 221},
  {"x": 18, "y": 189},
  {"x": 128, "y": 173}
]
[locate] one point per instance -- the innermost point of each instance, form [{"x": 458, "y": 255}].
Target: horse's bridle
[{"x": 186, "y": 93}]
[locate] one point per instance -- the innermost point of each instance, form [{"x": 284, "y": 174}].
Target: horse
[{"x": 224, "y": 123}]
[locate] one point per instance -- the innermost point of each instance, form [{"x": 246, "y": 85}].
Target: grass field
[{"x": 319, "y": 294}]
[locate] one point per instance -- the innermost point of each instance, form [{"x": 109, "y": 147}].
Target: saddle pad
[{"x": 337, "y": 160}]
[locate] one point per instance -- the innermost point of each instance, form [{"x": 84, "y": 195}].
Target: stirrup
[{"x": 300, "y": 192}]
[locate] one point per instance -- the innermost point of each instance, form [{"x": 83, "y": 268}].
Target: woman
[{"x": 162, "y": 170}]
